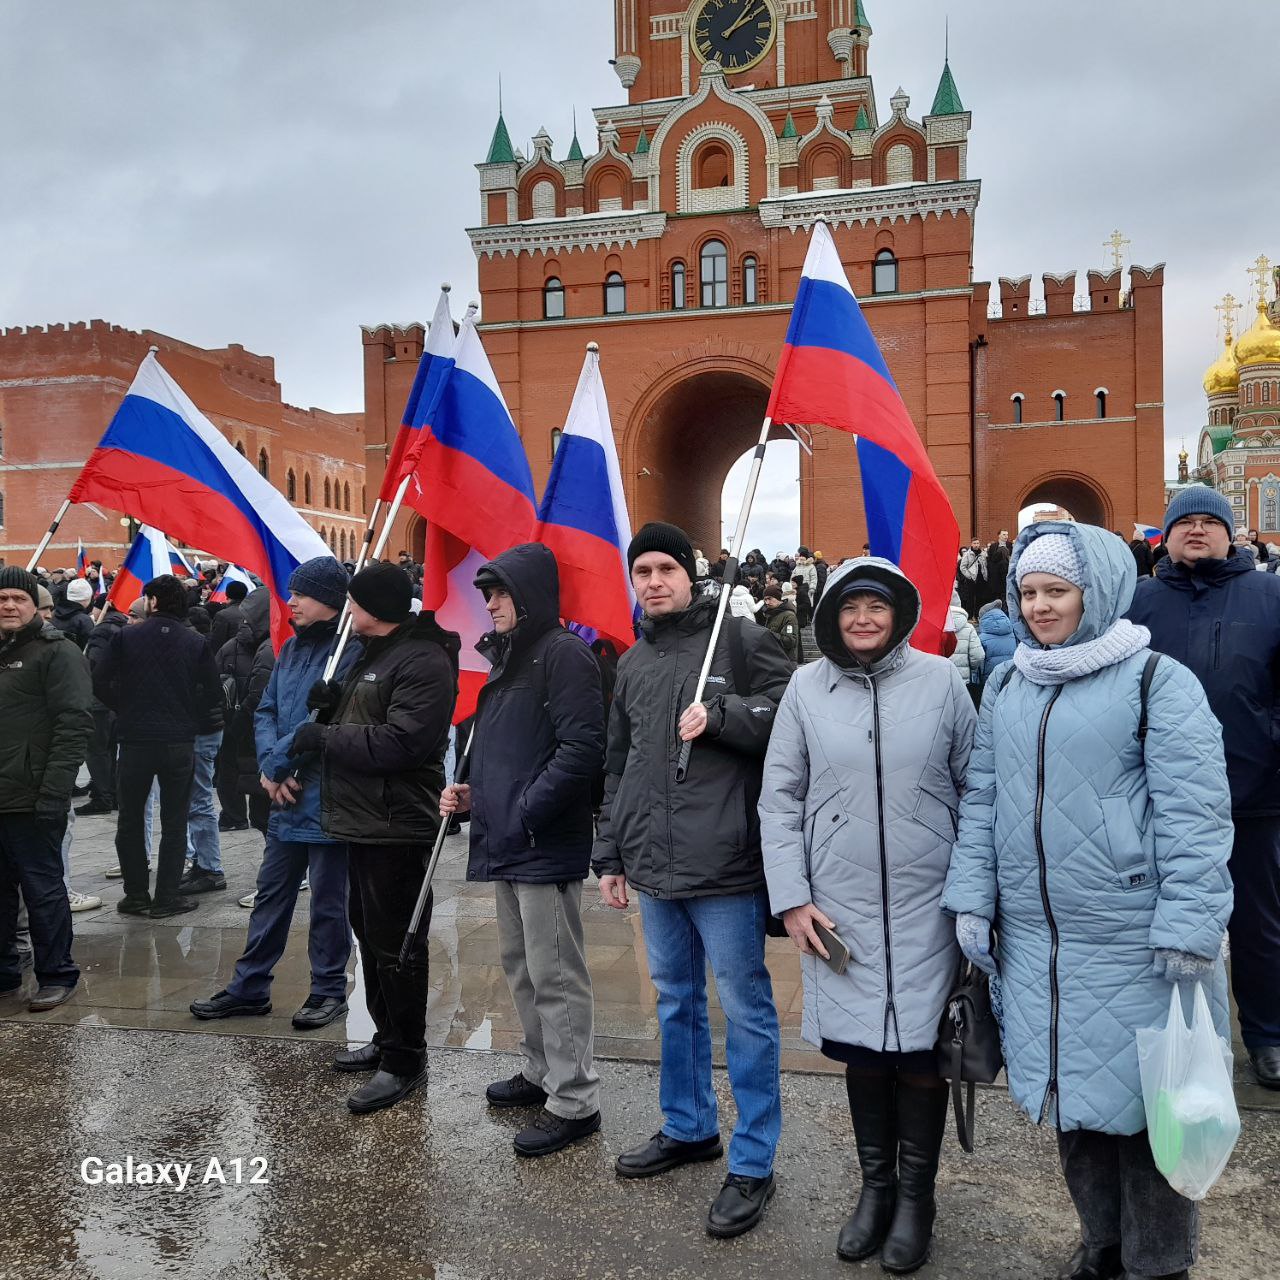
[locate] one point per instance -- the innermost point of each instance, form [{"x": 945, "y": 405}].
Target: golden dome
[
  {"x": 1261, "y": 345},
  {"x": 1222, "y": 377}
]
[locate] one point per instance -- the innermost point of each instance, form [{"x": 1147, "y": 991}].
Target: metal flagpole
[
  {"x": 48, "y": 537},
  {"x": 411, "y": 935},
  {"x": 726, "y": 584},
  {"x": 363, "y": 557}
]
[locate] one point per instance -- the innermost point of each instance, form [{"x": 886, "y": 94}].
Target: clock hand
[{"x": 750, "y": 12}]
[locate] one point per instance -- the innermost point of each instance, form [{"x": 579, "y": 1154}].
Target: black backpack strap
[
  {"x": 1144, "y": 693},
  {"x": 737, "y": 655},
  {"x": 1004, "y": 679}
]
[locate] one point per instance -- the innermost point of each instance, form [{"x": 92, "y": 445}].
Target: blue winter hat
[
  {"x": 323, "y": 579},
  {"x": 1199, "y": 500}
]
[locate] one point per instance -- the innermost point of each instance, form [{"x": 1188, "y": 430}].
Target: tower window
[
  {"x": 240, "y": 448},
  {"x": 556, "y": 434},
  {"x": 1266, "y": 393},
  {"x": 264, "y": 465},
  {"x": 1059, "y": 406},
  {"x": 1017, "y": 408},
  {"x": 749, "y": 272},
  {"x": 715, "y": 274},
  {"x": 1, "y": 510},
  {"x": 884, "y": 273},
  {"x": 677, "y": 286},
  {"x": 553, "y": 299},
  {"x": 713, "y": 166},
  {"x": 291, "y": 486},
  {"x": 328, "y": 493},
  {"x": 1248, "y": 394},
  {"x": 306, "y": 488},
  {"x": 615, "y": 294},
  {"x": 346, "y": 497},
  {"x": 1100, "y": 396}
]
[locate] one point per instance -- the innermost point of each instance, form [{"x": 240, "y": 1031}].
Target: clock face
[{"x": 736, "y": 33}]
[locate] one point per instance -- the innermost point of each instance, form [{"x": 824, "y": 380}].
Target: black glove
[
  {"x": 323, "y": 699},
  {"x": 307, "y": 739}
]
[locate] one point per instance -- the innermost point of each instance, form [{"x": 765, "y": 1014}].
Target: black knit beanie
[
  {"x": 383, "y": 590},
  {"x": 13, "y": 578},
  {"x": 667, "y": 538}
]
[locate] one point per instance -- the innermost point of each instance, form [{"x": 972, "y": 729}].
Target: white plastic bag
[{"x": 1192, "y": 1120}]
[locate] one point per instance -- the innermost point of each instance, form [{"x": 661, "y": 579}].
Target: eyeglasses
[{"x": 1187, "y": 523}]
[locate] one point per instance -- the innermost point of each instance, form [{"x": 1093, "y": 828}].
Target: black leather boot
[
  {"x": 922, "y": 1120},
  {"x": 871, "y": 1107}
]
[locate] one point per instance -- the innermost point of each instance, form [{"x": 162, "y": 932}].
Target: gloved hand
[
  {"x": 307, "y": 738},
  {"x": 973, "y": 933},
  {"x": 1181, "y": 966},
  {"x": 51, "y": 809},
  {"x": 323, "y": 699}
]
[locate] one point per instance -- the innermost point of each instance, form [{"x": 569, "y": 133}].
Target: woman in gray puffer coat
[{"x": 858, "y": 810}]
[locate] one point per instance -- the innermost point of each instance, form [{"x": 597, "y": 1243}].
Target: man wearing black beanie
[
  {"x": 382, "y": 735},
  {"x": 691, "y": 850}
]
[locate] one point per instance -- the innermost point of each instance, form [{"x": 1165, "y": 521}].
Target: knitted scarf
[{"x": 1056, "y": 666}]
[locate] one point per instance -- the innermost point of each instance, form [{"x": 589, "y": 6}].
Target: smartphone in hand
[{"x": 837, "y": 953}]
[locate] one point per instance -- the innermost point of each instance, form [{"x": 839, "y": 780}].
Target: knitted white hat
[{"x": 1053, "y": 553}]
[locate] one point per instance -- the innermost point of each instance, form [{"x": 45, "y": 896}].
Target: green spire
[
  {"x": 500, "y": 149},
  {"x": 789, "y": 128},
  {"x": 946, "y": 102},
  {"x": 862, "y": 123},
  {"x": 642, "y": 143},
  {"x": 575, "y": 148},
  {"x": 860, "y": 18}
]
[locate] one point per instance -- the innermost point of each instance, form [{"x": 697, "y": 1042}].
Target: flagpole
[
  {"x": 363, "y": 557},
  {"x": 48, "y": 537},
  {"x": 726, "y": 585}
]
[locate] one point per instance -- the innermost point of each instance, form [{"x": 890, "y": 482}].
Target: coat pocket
[
  {"x": 824, "y": 822},
  {"x": 1135, "y": 868},
  {"x": 937, "y": 813}
]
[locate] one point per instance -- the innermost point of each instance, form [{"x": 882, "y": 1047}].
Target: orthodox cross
[{"x": 1117, "y": 244}]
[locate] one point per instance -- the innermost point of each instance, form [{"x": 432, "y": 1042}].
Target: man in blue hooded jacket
[
  {"x": 296, "y": 844},
  {"x": 1207, "y": 607}
]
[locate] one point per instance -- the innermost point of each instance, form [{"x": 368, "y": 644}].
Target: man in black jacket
[
  {"x": 692, "y": 850},
  {"x": 539, "y": 736},
  {"x": 101, "y": 754},
  {"x": 383, "y": 750},
  {"x": 227, "y": 620},
  {"x": 159, "y": 678},
  {"x": 71, "y": 614},
  {"x": 44, "y": 711}
]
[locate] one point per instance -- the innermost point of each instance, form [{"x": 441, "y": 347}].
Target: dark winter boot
[
  {"x": 922, "y": 1120},
  {"x": 871, "y": 1107}
]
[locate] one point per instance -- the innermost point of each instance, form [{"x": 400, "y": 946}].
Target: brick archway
[{"x": 1081, "y": 496}]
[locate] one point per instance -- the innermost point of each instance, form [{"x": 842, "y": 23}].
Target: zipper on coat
[
  {"x": 1217, "y": 643},
  {"x": 1051, "y": 1090},
  {"x": 889, "y": 1010}
]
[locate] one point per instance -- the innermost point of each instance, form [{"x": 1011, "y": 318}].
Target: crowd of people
[{"x": 1078, "y": 800}]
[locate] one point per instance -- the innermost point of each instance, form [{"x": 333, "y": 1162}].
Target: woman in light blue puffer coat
[{"x": 1100, "y": 858}]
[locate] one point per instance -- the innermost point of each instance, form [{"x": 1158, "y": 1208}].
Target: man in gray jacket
[{"x": 691, "y": 849}]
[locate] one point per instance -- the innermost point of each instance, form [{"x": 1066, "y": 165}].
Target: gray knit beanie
[
  {"x": 1199, "y": 500},
  {"x": 323, "y": 579},
  {"x": 1053, "y": 553}
]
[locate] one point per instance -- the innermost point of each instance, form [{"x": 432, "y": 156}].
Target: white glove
[{"x": 973, "y": 933}]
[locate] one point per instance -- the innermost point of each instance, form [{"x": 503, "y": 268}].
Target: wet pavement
[{"x": 432, "y": 1188}]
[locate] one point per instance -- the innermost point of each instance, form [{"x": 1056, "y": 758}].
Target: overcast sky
[{"x": 277, "y": 174}]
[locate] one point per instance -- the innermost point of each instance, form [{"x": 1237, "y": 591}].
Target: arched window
[
  {"x": 322, "y": 534},
  {"x": 884, "y": 273},
  {"x": 677, "y": 286},
  {"x": 328, "y": 493},
  {"x": 1100, "y": 402},
  {"x": 306, "y": 489},
  {"x": 342, "y": 544},
  {"x": 291, "y": 486},
  {"x": 1017, "y": 407},
  {"x": 1266, "y": 393},
  {"x": 715, "y": 274},
  {"x": 1, "y": 441},
  {"x": 556, "y": 433},
  {"x": 615, "y": 294},
  {"x": 1, "y": 510},
  {"x": 713, "y": 166},
  {"x": 240, "y": 448},
  {"x": 899, "y": 164},
  {"x": 749, "y": 271},
  {"x": 544, "y": 199},
  {"x": 264, "y": 464},
  {"x": 553, "y": 299},
  {"x": 333, "y": 541},
  {"x": 346, "y": 496},
  {"x": 364, "y": 501},
  {"x": 1059, "y": 406},
  {"x": 1248, "y": 394}
]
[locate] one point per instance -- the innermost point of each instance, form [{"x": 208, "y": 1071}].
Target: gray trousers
[
  {"x": 543, "y": 956},
  {"x": 1122, "y": 1198}
]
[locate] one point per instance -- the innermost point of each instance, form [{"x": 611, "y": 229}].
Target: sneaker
[
  {"x": 84, "y": 901},
  {"x": 198, "y": 880},
  {"x": 306, "y": 883},
  {"x": 549, "y": 1133},
  {"x": 248, "y": 900}
]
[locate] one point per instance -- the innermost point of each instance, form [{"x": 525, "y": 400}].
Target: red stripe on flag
[{"x": 591, "y": 585}]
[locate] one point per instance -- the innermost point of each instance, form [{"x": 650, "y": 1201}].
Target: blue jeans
[
  {"x": 284, "y": 863},
  {"x": 681, "y": 935},
  {"x": 203, "y": 847}
]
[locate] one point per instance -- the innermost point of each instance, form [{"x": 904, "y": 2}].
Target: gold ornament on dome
[
  {"x": 1222, "y": 377},
  {"x": 1261, "y": 345}
]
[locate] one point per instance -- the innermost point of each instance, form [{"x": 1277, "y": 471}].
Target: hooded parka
[
  {"x": 858, "y": 814},
  {"x": 539, "y": 735},
  {"x": 1088, "y": 849}
]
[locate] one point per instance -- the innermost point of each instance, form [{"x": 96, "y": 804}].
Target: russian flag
[
  {"x": 233, "y": 574},
  {"x": 162, "y": 461},
  {"x": 437, "y": 357},
  {"x": 1148, "y": 533},
  {"x": 472, "y": 477},
  {"x": 831, "y": 372},
  {"x": 448, "y": 589},
  {"x": 179, "y": 564},
  {"x": 583, "y": 518},
  {"x": 151, "y": 556},
  {"x": 82, "y": 560}
]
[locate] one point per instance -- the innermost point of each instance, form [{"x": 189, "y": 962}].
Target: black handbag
[{"x": 968, "y": 1050}]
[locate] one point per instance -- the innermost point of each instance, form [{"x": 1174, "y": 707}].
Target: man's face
[
  {"x": 304, "y": 610},
  {"x": 1003, "y": 536},
  {"x": 363, "y": 623},
  {"x": 17, "y": 609},
  {"x": 1198, "y": 538},
  {"x": 502, "y": 609},
  {"x": 661, "y": 585},
  {"x": 1253, "y": 535},
  {"x": 975, "y": 545}
]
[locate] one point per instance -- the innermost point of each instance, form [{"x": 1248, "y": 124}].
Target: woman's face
[
  {"x": 1051, "y": 606},
  {"x": 866, "y": 623}
]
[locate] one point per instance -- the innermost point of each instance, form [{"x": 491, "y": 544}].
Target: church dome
[
  {"x": 1261, "y": 345},
  {"x": 1222, "y": 377}
]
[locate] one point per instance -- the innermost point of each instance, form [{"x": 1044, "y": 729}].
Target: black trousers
[
  {"x": 1255, "y": 929},
  {"x": 100, "y": 756},
  {"x": 173, "y": 765},
  {"x": 1122, "y": 1198},
  {"x": 385, "y": 882},
  {"x": 31, "y": 860}
]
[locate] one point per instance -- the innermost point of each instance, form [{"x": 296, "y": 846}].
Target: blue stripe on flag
[
  {"x": 885, "y": 482},
  {"x": 470, "y": 418},
  {"x": 825, "y": 315},
  {"x": 577, "y": 492}
]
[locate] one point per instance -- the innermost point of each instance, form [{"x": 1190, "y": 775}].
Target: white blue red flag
[
  {"x": 162, "y": 461},
  {"x": 82, "y": 560},
  {"x": 1148, "y": 533},
  {"x": 437, "y": 357},
  {"x": 179, "y": 564},
  {"x": 583, "y": 518},
  {"x": 151, "y": 556},
  {"x": 832, "y": 373},
  {"x": 448, "y": 589},
  {"x": 233, "y": 574}
]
